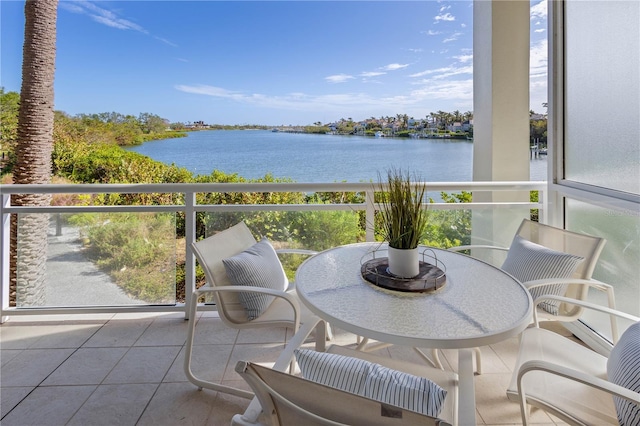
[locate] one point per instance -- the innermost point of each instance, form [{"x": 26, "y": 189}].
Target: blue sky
[{"x": 264, "y": 62}]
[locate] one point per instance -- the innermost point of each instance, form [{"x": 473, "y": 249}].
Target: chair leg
[
  {"x": 188, "y": 352},
  {"x": 434, "y": 360},
  {"x": 478, "y": 354},
  {"x": 328, "y": 332}
]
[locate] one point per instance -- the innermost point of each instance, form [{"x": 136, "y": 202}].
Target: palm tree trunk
[{"x": 33, "y": 151}]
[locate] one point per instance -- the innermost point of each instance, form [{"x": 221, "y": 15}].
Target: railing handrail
[{"x": 256, "y": 187}]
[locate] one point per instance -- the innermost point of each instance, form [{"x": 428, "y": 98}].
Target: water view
[{"x": 318, "y": 158}]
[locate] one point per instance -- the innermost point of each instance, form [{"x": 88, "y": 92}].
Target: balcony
[{"x": 76, "y": 356}]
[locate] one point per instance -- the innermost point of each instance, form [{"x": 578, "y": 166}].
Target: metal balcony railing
[{"x": 189, "y": 208}]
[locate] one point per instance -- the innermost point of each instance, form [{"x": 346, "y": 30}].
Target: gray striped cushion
[
  {"x": 372, "y": 380},
  {"x": 623, "y": 368},
  {"x": 256, "y": 266},
  {"x": 337, "y": 371},
  {"x": 528, "y": 261}
]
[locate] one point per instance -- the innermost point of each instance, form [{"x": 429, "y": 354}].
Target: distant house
[{"x": 412, "y": 123}]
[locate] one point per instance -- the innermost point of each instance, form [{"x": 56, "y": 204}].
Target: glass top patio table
[{"x": 479, "y": 305}]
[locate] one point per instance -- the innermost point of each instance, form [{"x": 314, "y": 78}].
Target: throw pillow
[
  {"x": 528, "y": 261},
  {"x": 372, "y": 380},
  {"x": 623, "y": 368},
  {"x": 256, "y": 266}
]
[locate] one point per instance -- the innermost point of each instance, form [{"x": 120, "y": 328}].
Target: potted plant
[{"x": 403, "y": 220}]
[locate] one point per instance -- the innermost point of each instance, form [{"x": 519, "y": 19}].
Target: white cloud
[
  {"x": 539, "y": 11},
  {"x": 452, "y": 37},
  {"x": 432, "y": 32},
  {"x": 443, "y": 8},
  {"x": 107, "y": 17},
  {"x": 456, "y": 89},
  {"x": 165, "y": 41},
  {"x": 203, "y": 89},
  {"x": 464, "y": 58},
  {"x": 346, "y": 103},
  {"x": 394, "y": 67},
  {"x": 372, "y": 73},
  {"x": 338, "y": 78},
  {"x": 538, "y": 58},
  {"x": 445, "y": 17},
  {"x": 444, "y": 72},
  {"x": 540, "y": 30}
]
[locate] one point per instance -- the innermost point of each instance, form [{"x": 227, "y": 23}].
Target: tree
[
  {"x": 33, "y": 150},
  {"x": 9, "y": 104}
]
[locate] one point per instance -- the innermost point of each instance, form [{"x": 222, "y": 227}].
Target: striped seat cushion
[
  {"x": 528, "y": 261},
  {"x": 372, "y": 381},
  {"x": 623, "y": 369},
  {"x": 256, "y": 266}
]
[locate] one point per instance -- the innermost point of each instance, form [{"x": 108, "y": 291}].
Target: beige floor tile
[
  {"x": 214, "y": 331},
  {"x": 8, "y": 354},
  {"x": 178, "y": 404},
  {"x": 10, "y": 397},
  {"x": 113, "y": 405},
  {"x": 491, "y": 362},
  {"x": 507, "y": 350},
  {"x": 264, "y": 354},
  {"x": 224, "y": 408},
  {"x": 143, "y": 365},
  {"x": 493, "y": 405},
  {"x": 208, "y": 362},
  {"x": 118, "y": 333},
  {"x": 262, "y": 335},
  {"x": 164, "y": 332},
  {"x": 67, "y": 336},
  {"x": 50, "y": 406},
  {"x": 37, "y": 335},
  {"x": 86, "y": 366},
  {"x": 32, "y": 366},
  {"x": 21, "y": 335}
]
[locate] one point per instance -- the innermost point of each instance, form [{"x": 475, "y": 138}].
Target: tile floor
[{"x": 126, "y": 369}]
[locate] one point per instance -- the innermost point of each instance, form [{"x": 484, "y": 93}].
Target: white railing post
[
  {"x": 5, "y": 249},
  {"x": 370, "y": 212},
  {"x": 190, "y": 261}
]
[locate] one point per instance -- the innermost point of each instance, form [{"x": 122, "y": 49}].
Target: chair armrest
[
  {"x": 598, "y": 285},
  {"x": 584, "y": 304},
  {"x": 477, "y": 246},
  {"x": 570, "y": 374},
  {"x": 291, "y": 299}
]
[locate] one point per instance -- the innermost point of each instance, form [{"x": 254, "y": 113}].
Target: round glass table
[{"x": 478, "y": 305}]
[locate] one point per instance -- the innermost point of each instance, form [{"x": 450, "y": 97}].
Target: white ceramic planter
[{"x": 404, "y": 263}]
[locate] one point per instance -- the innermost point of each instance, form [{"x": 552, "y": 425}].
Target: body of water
[{"x": 319, "y": 158}]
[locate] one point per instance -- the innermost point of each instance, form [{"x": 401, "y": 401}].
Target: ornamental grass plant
[{"x": 403, "y": 218}]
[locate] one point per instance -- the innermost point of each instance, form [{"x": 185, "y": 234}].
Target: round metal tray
[{"x": 431, "y": 277}]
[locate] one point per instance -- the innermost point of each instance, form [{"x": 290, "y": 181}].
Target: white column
[{"x": 500, "y": 110}]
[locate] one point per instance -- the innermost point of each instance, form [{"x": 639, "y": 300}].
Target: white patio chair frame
[
  {"x": 586, "y": 246},
  {"x": 578, "y": 285},
  {"x": 225, "y": 298},
  {"x": 524, "y": 367}
]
